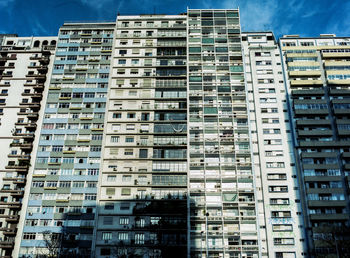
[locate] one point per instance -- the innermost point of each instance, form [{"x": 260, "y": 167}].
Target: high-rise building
[
  {"x": 25, "y": 63},
  {"x": 222, "y": 197},
  {"x": 318, "y": 76},
  {"x": 143, "y": 184},
  {"x": 59, "y": 213},
  {"x": 174, "y": 136},
  {"x": 279, "y": 208}
]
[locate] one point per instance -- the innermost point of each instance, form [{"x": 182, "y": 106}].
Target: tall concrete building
[
  {"x": 279, "y": 206},
  {"x": 318, "y": 76},
  {"x": 143, "y": 184},
  {"x": 60, "y": 204},
  {"x": 222, "y": 216},
  {"x": 174, "y": 136},
  {"x": 25, "y": 63}
]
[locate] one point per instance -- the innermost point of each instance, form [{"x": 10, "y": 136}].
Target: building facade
[
  {"x": 174, "y": 136},
  {"x": 143, "y": 184},
  {"x": 279, "y": 206},
  {"x": 25, "y": 63},
  {"x": 59, "y": 216},
  {"x": 222, "y": 212},
  {"x": 317, "y": 70}
]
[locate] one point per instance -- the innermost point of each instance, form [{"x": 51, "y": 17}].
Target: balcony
[
  {"x": 302, "y": 54},
  {"x": 327, "y": 203},
  {"x": 339, "y": 92},
  {"x": 21, "y": 168},
  {"x": 9, "y": 231},
  {"x": 43, "y": 59},
  {"x": 306, "y": 82},
  {"x": 315, "y": 132},
  {"x": 12, "y": 218},
  {"x": 310, "y": 73},
  {"x": 341, "y": 111},
  {"x": 329, "y": 216},
  {"x": 36, "y": 76},
  {"x": 315, "y": 112},
  {"x": 12, "y": 205},
  {"x": 308, "y": 92},
  {"x": 7, "y": 244},
  {"x": 339, "y": 82},
  {"x": 307, "y": 122},
  {"x": 22, "y": 145},
  {"x": 336, "y": 55},
  {"x": 24, "y": 135}
]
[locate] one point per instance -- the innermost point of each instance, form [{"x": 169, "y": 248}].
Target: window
[
  {"x": 107, "y": 235},
  {"x": 109, "y": 206},
  {"x": 115, "y": 139},
  {"x": 126, "y": 178},
  {"x": 123, "y": 236},
  {"x": 126, "y": 191},
  {"x": 124, "y": 220},
  {"x": 129, "y": 139},
  {"x": 95, "y": 148},
  {"x": 65, "y": 184},
  {"x": 93, "y": 172},
  {"x": 107, "y": 220},
  {"x": 139, "y": 238},
  {"x": 117, "y": 115},
  {"x": 110, "y": 191},
  {"x": 129, "y": 152},
  {"x": 283, "y": 241},
  {"x": 111, "y": 178},
  {"x": 143, "y": 153},
  {"x": 275, "y": 164},
  {"x": 29, "y": 236},
  {"x": 105, "y": 251},
  {"x": 90, "y": 197},
  {"x": 131, "y": 115},
  {"x": 282, "y": 227},
  {"x": 278, "y": 189},
  {"x": 125, "y": 206}
]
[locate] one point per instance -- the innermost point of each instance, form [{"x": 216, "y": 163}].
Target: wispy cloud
[
  {"x": 304, "y": 17},
  {"x": 99, "y": 5},
  {"x": 5, "y": 3},
  {"x": 337, "y": 25},
  {"x": 259, "y": 15}
]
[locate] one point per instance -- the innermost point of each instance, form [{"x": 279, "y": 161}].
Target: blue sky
[{"x": 303, "y": 17}]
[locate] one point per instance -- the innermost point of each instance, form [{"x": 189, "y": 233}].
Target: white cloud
[
  {"x": 100, "y": 4},
  {"x": 258, "y": 16},
  {"x": 341, "y": 27}
]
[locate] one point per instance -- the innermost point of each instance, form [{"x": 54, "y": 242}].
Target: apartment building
[
  {"x": 25, "y": 63},
  {"x": 223, "y": 218},
  {"x": 318, "y": 78},
  {"x": 279, "y": 207},
  {"x": 143, "y": 184},
  {"x": 59, "y": 212},
  {"x": 174, "y": 136}
]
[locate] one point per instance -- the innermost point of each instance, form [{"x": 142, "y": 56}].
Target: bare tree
[
  {"x": 336, "y": 240},
  {"x": 122, "y": 250},
  {"x": 52, "y": 242}
]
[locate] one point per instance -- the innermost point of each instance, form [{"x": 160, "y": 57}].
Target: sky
[{"x": 308, "y": 18}]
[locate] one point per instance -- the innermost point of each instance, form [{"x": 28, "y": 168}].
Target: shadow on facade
[{"x": 155, "y": 228}]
